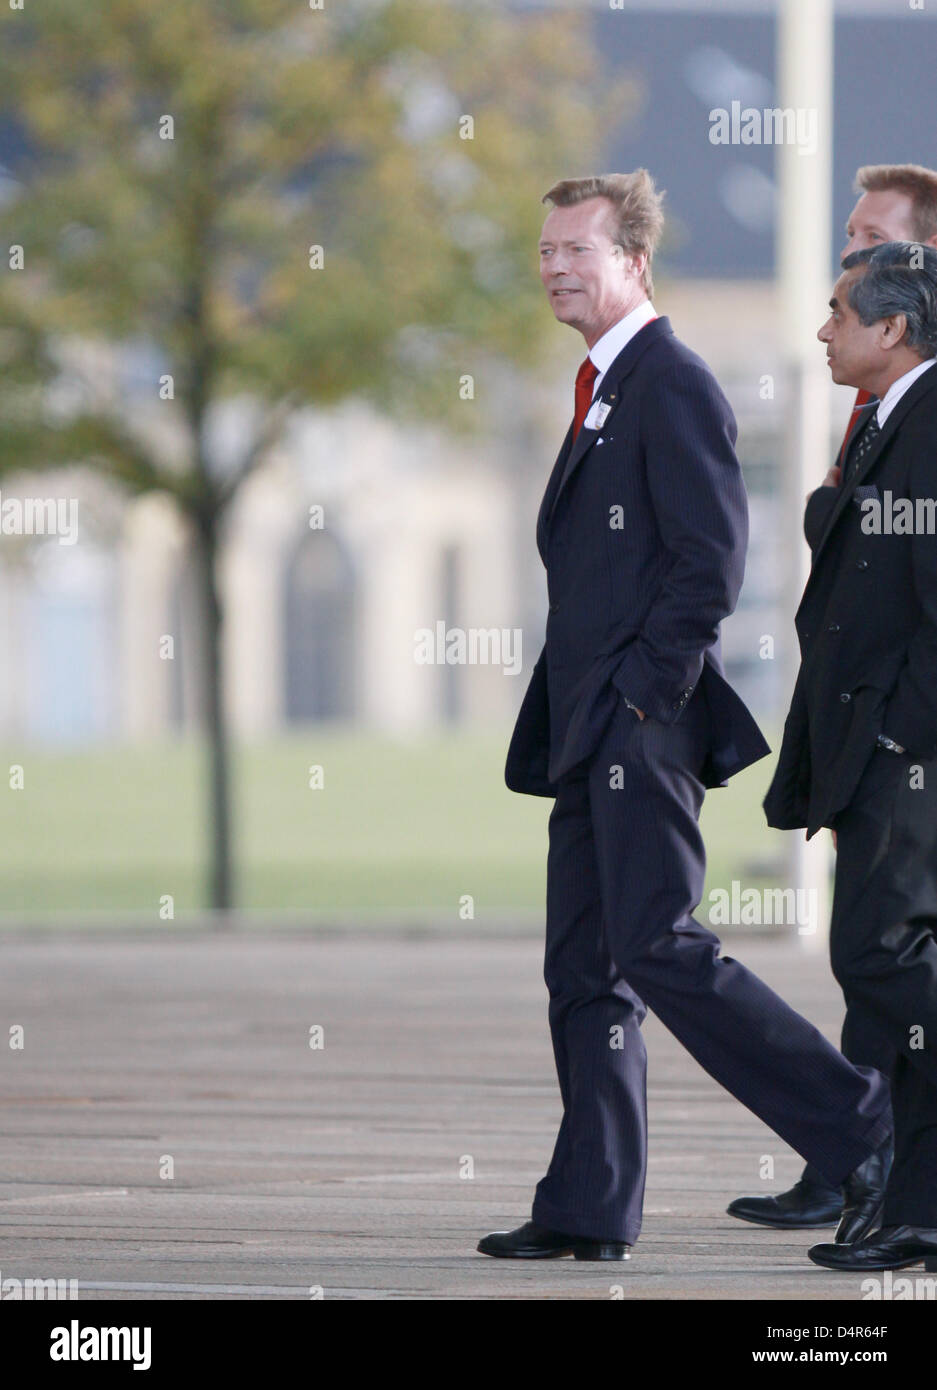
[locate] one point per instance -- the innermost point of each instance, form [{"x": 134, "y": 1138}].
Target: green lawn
[{"x": 397, "y": 827}]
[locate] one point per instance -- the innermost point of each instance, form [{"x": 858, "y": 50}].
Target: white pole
[{"x": 805, "y": 84}]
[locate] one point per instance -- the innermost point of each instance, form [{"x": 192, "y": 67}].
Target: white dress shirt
[
  {"x": 895, "y": 391},
  {"x": 604, "y": 352},
  {"x": 885, "y": 407}
]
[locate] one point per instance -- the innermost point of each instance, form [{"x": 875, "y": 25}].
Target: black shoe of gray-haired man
[{"x": 811, "y": 1202}]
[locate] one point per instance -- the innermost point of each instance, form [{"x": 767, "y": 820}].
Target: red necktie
[{"x": 585, "y": 381}]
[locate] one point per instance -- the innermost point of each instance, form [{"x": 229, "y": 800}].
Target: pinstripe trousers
[{"x": 625, "y": 871}]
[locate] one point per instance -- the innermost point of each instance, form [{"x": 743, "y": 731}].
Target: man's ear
[{"x": 892, "y": 330}]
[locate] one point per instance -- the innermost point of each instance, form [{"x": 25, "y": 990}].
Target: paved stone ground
[{"x": 339, "y": 1167}]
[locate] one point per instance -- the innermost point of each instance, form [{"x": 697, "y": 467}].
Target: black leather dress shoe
[
  {"x": 533, "y": 1242},
  {"x": 892, "y": 1247},
  {"x": 864, "y": 1195},
  {"x": 802, "y": 1206}
]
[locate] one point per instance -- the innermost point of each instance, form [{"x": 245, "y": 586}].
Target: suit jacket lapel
[
  {"x": 926, "y": 382},
  {"x": 549, "y": 495},
  {"x": 569, "y": 460}
]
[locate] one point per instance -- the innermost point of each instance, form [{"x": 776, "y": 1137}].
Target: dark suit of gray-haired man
[{"x": 859, "y": 752}]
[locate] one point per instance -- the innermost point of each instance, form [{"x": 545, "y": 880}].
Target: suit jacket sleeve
[
  {"x": 698, "y": 498},
  {"x": 911, "y": 712},
  {"x": 820, "y": 505},
  {"x": 787, "y": 802}
]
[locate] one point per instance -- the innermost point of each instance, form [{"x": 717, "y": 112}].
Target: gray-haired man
[
  {"x": 897, "y": 202},
  {"x": 860, "y": 743}
]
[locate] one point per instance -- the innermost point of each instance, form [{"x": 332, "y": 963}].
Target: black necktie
[{"x": 863, "y": 443}]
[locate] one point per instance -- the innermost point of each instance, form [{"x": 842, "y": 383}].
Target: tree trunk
[{"x": 213, "y": 709}]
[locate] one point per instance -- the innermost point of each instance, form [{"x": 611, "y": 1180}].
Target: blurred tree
[{"x": 170, "y": 170}]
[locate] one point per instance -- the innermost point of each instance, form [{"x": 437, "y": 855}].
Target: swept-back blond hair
[{"x": 636, "y": 220}]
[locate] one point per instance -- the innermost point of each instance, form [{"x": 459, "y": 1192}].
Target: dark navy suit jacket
[{"x": 643, "y": 531}]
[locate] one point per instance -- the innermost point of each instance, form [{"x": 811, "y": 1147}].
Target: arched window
[{"x": 319, "y": 630}]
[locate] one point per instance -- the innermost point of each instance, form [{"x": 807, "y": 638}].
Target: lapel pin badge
[{"x": 597, "y": 415}]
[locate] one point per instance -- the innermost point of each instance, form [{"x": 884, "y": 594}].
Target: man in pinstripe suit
[{"x": 628, "y": 718}]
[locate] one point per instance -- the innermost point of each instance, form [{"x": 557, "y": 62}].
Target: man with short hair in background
[{"x": 897, "y": 202}]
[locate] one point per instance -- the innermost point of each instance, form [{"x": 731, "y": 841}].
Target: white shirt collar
[
  {"x": 897, "y": 389},
  {"x": 604, "y": 352}
]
